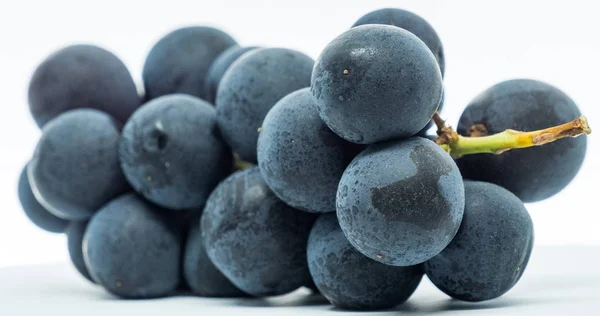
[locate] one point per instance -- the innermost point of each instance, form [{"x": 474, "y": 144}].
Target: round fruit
[
  {"x": 75, "y": 168},
  {"x": 490, "y": 252},
  {"x": 171, "y": 152},
  {"x": 376, "y": 83},
  {"x": 251, "y": 87},
  {"x": 82, "y": 76},
  {"x": 256, "y": 240},
  {"x": 401, "y": 202},
  {"x": 300, "y": 158},
  {"x": 348, "y": 279}
]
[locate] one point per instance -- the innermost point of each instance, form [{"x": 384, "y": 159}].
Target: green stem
[
  {"x": 241, "y": 164},
  {"x": 458, "y": 145}
]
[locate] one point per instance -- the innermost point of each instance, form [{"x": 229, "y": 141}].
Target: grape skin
[
  {"x": 375, "y": 83},
  {"x": 82, "y": 76},
  {"x": 75, "y": 232},
  {"x": 350, "y": 280},
  {"x": 219, "y": 67},
  {"x": 301, "y": 160},
  {"x": 179, "y": 61},
  {"x": 36, "y": 213},
  {"x": 200, "y": 273},
  {"x": 171, "y": 152},
  {"x": 133, "y": 249},
  {"x": 75, "y": 168},
  {"x": 410, "y": 22},
  {"x": 490, "y": 252},
  {"x": 401, "y": 202},
  {"x": 256, "y": 240},
  {"x": 251, "y": 87}
]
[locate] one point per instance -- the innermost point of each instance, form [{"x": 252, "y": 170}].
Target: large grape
[
  {"x": 348, "y": 279},
  {"x": 376, "y": 83},
  {"x": 490, "y": 252},
  {"x": 300, "y": 158},
  {"x": 75, "y": 168},
  {"x": 401, "y": 202},
  {"x": 533, "y": 174},
  {"x": 251, "y": 87},
  {"x": 410, "y": 22},
  {"x": 256, "y": 240},
  {"x": 82, "y": 76},
  {"x": 179, "y": 62},
  {"x": 132, "y": 249},
  {"x": 171, "y": 151},
  {"x": 218, "y": 69}
]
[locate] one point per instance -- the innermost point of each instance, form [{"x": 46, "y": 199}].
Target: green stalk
[{"x": 458, "y": 145}]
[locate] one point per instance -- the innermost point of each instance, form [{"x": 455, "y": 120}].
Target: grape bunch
[{"x": 245, "y": 171}]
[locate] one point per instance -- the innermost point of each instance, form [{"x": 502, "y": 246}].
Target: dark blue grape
[
  {"x": 410, "y": 22},
  {"x": 256, "y": 240},
  {"x": 75, "y": 232},
  {"x": 171, "y": 152},
  {"x": 401, "y": 202},
  {"x": 490, "y": 252},
  {"x": 300, "y": 158},
  {"x": 75, "y": 168},
  {"x": 218, "y": 69},
  {"x": 533, "y": 174},
  {"x": 36, "y": 213},
  {"x": 348, "y": 279},
  {"x": 179, "y": 62},
  {"x": 375, "y": 83},
  {"x": 251, "y": 87},
  {"x": 132, "y": 249},
  {"x": 200, "y": 273},
  {"x": 82, "y": 76}
]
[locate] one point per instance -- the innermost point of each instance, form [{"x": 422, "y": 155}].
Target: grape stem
[
  {"x": 241, "y": 164},
  {"x": 457, "y": 145}
]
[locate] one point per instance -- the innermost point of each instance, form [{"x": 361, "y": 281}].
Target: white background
[{"x": 485, "y": 42}]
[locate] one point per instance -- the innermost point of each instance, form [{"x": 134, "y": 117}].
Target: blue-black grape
[
  {"x": 410, "y": 22},
  {"x": 348, "y": 279},
  {"x": 533, "y": 174},
  {"x": 75, "y": 232},
  {"x": 490, "y": 252},
  {"x": 256, "y": 240},
  {"x": 300, "y": 158},
  {"x": 132, "y": 249},
  {"x": 36, "y": 213},
  {"x": 179, "y": 62},
  {"x": 251, "y": 87},
  {"x": 200, "y": 273},
  {"x": 171, "y": 151},
  {"x": 401, "y": 202},
  {"x": 82, "y": 76},
  {"x": 376, "y": 83},
  {"x": 219, "y": 67},
  {"x": 75, "y": 168}
]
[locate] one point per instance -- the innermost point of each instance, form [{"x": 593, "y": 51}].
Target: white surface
[
  {"x": 559, "y": 281},
  {"x": 484, "y": 41}
]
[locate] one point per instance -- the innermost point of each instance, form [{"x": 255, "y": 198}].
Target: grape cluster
[{"x": 252, "y": 172}]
